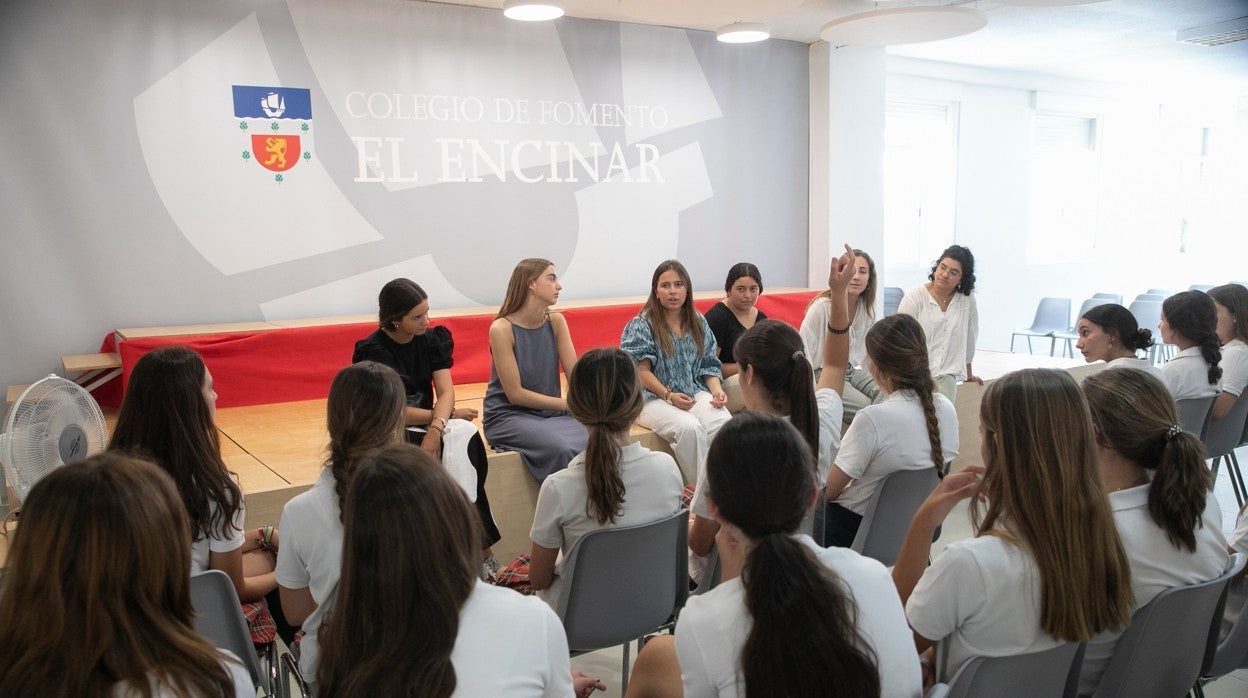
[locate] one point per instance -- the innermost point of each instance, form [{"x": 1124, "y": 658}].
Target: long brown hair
[
  {"x": 773, "y": 349},
  {"x": 1234, "y": 298},
  {"x": 410, "y": 557},
  {"x": 1043, "y": 491},
  {"x": 866, "y": 299},
  {"x": 1135, "y": 415},
  {"x": 526, "y": 272},
  {"x": 364, "y": 412},
  {"x": 164, "y": 418},
  {"x": 91, "y": 600},
  {"x": 804, "y": 638},
  {"x": 605, "y": 395},
  {"x": 898, "y": 350},
  {"x": 656, "y": 316}
]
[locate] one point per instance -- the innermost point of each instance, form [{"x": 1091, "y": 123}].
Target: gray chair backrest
[
  {"x": 1052, "y": 314},
  {"x": 892, "y": 299},
  {"x": 1223, "y": 435},
  {"x": 1147, "y": 314},
  {"x": 625, "y": 582},
  {"x": 1111, "y": 297},
  {"x": 1204, "y": 288},
  {"x": 714, "y": 571},
  {"x": 1164, "y": 293},
  {"x": 1194, "y": 414},
  {"x": 1090, "y": 304},
  {"x": 1046, "y": 674},
  {"x": 1232, "y": 652},
  {"x": 219, "y": 618},
  {"x": 1158, "y": 297},
  {"x": 889, "y": 511},
  {"x": 1171, "y": 641}
]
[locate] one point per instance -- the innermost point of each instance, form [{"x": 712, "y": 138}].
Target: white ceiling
[{"x": 1129, "y": 42}]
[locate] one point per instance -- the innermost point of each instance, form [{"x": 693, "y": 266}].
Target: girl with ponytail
[
  {"x": 1231, "y": 304},
  {"x": 800, "y": 620},
  {"x": 364, "y": 413},
  {"x": 1189, "y": 321},
  {"x": 410, "y": 617},
  {"x": 777, "y": 378},
  {"x": 614, "y": 482},
  {"x": 1110, "y": 333},
  {"x": 1159, "y": 489},
  {"x": 913, "y": 428}
]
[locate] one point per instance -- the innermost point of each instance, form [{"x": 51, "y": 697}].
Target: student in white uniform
[
  {"x": 946, "y": 309},
  {"x": 410, "y": 613},
  {"x": 912, "y": 429},
  {"x": 93, "y": 605},
  {"x": 1110, "y": 333},
  {"x": 1189, "y": 321},
  {"x": 860, "y": 387},
  {"x": 1231, "y": 305},
  {"x": 1045, "y": 565},
  {"x": 800, "y": 620},
  {"x": 776, "y": 378},
  {"x": 1160, "y": 491},
  {"x": 364, "y": 412},
  {"x": 614, "y": 482}
]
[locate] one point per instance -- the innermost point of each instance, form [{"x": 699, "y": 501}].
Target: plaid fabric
[
  {"x": 686, "y": 497},
  {"x": 260, "y": 622},
  {"x": 515, "y": 575}
]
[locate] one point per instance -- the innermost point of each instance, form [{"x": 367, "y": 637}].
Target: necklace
[
  {"x": 943, "y": 303},
  {"x": 1142, "y": 480}
]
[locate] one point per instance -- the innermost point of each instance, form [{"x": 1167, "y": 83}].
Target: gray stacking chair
[
  {"x": 1148, "y": 316},
  {"x": 219, "y": 619},
  {"x": 1164, "y": 293},
  {"x": 1069, "y": 335},
  {"x": 1052, "y": 315},
  {"x": 1222, "y": 438},
  {"x": 1203, "y": 288},
  {"x": 1170, "y": 642},
  {"x": 1047, "y": 674},
  {"x": 625, "y": 582},
  {"x": 1230, "y": 654},
  {"x": 1195, "y": 414},
  {"x": 714, "y": 572},
  {"x": 1111, "y": 297},
  {"x": 892, "y": 299},
  {"x": 889, "y": 511}
]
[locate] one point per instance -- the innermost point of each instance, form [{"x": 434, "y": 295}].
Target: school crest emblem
[{"x": 278, "y": 124}]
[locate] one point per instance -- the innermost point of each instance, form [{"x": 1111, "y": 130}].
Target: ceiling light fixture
[
  {"x": 533, "y": 10},
  {"x": 743, "y": 33},
  {"x": 903, "y": 25}
]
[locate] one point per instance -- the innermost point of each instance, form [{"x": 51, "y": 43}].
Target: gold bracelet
[{"x": 668, "y": 397}]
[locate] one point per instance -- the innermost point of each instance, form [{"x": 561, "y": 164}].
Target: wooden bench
[
  {"x": 13, "y": 393},
  {"x": 92, "y": 370}
]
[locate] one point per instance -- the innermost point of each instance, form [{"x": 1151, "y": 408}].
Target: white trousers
[{"x": 688, "y": 432}]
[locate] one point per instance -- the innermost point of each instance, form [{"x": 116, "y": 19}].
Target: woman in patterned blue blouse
[{"x": 676, "y": 359}]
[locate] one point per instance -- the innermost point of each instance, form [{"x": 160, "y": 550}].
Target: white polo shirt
[
  {"x": 713, "y": 627},
  {"x": 652, "y": 490},
  {"x": 1237, "y": 596},
  {"x": 888, "y": 437},
  {"x": 1234, "y": 367},
  {"x": 509, "y": 644},
  {"x": 311, "y": 557},
  {"x": 831, "y": 409},
  {"x": 979, "y": 598},
  {"x": 1187, "y": 375},
  {"x": 814, "y": 331},
  {"x": 1156, "y": 565},
  {"x": 202, "y": 547},
  {"x": 1140, "y": 364},
  {"x": 951, "y": 334}
]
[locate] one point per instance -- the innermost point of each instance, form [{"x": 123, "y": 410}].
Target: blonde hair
[
  {"x": 1043, "y": 491},
  {"x": 526, "y": 272}
]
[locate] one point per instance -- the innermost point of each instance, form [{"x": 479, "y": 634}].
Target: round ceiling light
[
  {"x": 903, "y": 25},
  {"x": 743, "y": 33},
  {"x": 532, "y": 10}
]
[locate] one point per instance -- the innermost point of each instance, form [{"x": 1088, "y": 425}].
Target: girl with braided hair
[
  {"x": 913, "y": 428},
  {"x": 364, "y": 413},
  {"x": 1159, "y": 489},
  {"x": 1189, "y": 321}
]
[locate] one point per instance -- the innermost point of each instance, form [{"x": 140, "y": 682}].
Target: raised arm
[
  {"x": 503, "y": 348},
  {"x": 836, "y": 333}
]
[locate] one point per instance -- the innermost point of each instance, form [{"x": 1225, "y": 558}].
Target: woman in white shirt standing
[
  {"x": 1189, "y": 321},
  {"x": 410, "y": 616},
  {"x": 912, "y": 429},
  {"x": 1231, "y": 306},
  {"x": 1110, "y": 333},
  {"x": 946, "y": 309},
  {"x": 1160, "y": 491}
]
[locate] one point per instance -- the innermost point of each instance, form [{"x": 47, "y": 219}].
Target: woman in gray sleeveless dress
[{"x": 524, "y": 407}]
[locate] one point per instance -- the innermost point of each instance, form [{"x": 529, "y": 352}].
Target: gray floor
[{"x": 605, "y": 664}]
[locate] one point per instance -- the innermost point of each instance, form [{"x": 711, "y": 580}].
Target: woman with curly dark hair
[{"x": 946, "y": 309}]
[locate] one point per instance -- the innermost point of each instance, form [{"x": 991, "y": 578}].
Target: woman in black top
[{"x": 731, "y": 317}]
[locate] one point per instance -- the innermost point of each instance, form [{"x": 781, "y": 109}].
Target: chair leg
[
  {"x": 624, "y": 670},
  {"x": 1237, "y": 478},
  {"x": 1029, "y": 349},
  {"x": 1012, "y": 338}
]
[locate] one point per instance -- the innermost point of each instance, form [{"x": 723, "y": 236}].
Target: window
[
  {"x": 920, "y": 179},
  {"x": 1064, "y": 189}
]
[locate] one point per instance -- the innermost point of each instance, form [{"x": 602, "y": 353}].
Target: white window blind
[{"x": 1064, "y": 131}]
